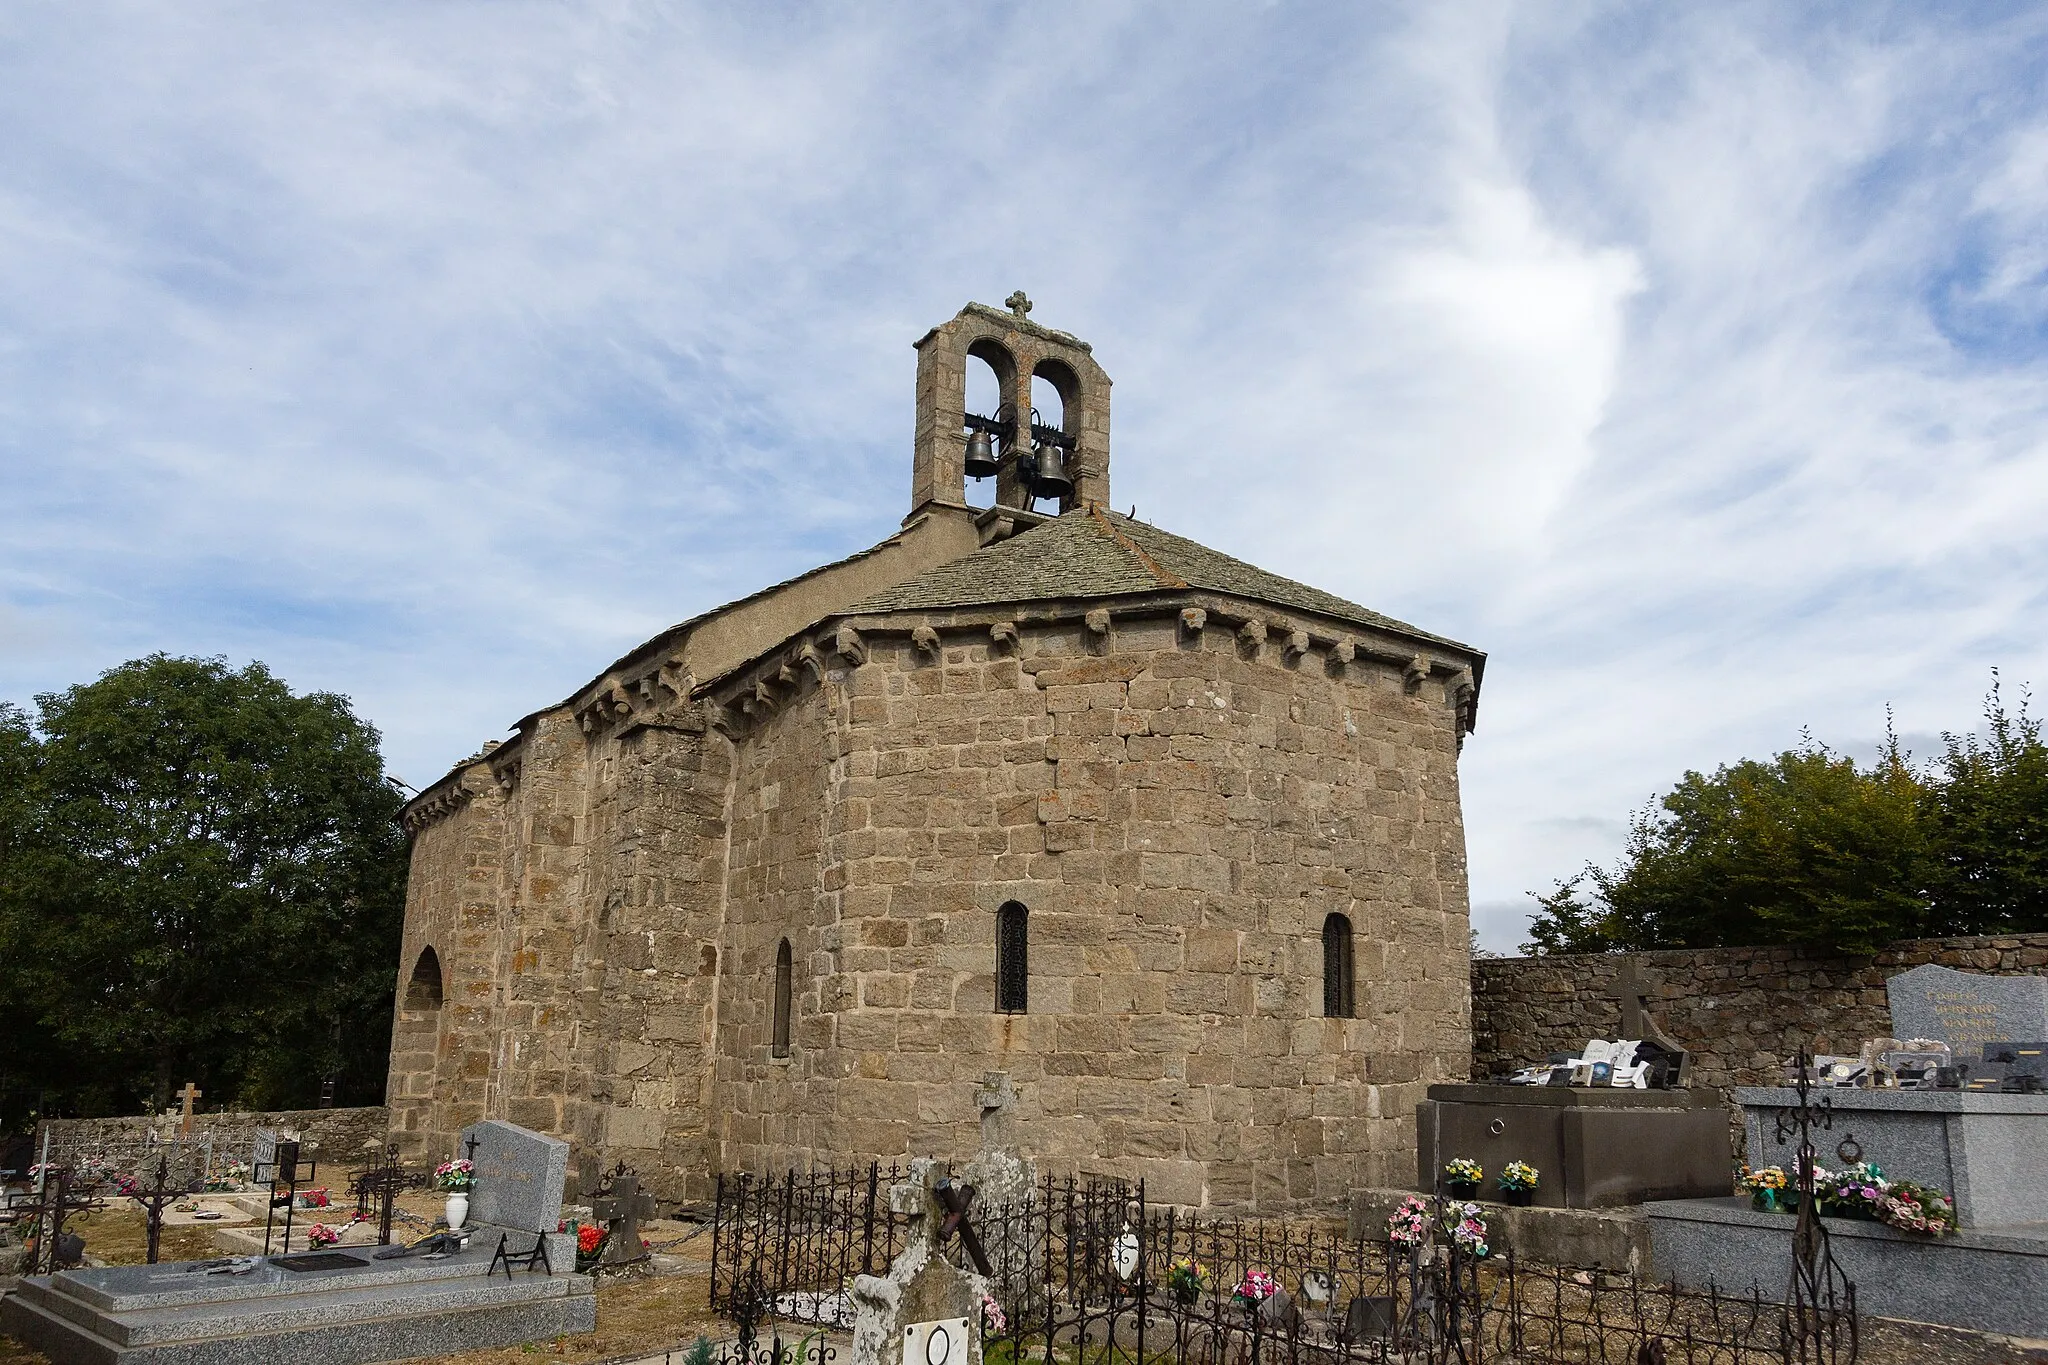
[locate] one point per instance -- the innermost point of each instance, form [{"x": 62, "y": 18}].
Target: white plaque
[{"x": 943, "y": 1342}]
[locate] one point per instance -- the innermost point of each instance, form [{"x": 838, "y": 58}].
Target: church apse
[{"x": 759, "y": 917}]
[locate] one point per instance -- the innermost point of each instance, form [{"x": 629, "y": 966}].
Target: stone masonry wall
[
  {"x": 1179, "y": 810},
  {"x": 345, "y": 1135},
  {"x": 1740, "y": 1011}
]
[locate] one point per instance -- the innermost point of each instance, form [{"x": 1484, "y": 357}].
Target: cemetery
[{"x": 1043, "y": 938}]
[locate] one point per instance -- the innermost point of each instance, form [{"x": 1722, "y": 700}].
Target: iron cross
[{"x": 956, "y": 1195}]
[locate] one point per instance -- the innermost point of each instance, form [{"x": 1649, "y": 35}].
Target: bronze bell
[
  {"x": 981, "y": 455},
  {"x": 1053, "y": 480}
]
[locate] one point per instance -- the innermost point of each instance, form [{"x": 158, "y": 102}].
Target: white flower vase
[{"x": 458, "y": 1209}]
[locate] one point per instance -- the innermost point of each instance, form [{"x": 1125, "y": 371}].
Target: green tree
[
  {"x": 1987, "y": 809},
  {"x": 208, "y": 885},
  {"x": 1804, "y": 848}
]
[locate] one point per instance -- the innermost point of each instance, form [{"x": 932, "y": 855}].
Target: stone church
[{"x": 1031, "y": 788}]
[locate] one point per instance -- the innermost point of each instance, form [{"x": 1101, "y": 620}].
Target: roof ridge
[{"x": 1166, "y": 578}]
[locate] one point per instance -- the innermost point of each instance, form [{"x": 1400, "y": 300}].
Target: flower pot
[
  {"x": 1764, "y": 1201},
  {"x": 458, "y": 1209},
  {"x": 1521, "y": 1199},
  {"x": 1462, "y": 1189}
]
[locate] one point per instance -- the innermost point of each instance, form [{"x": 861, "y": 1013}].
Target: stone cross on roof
[{"x": 1018, "y": 303}]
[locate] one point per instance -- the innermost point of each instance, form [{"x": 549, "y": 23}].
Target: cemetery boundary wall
[
  {"x": 343, "y": 1134},
  {"x": 1741, "y": 1012}
]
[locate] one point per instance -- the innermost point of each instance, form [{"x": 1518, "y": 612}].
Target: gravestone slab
[
  {"x": 519, "y": 1176},
  {"x": 1965, "y": 1009}
]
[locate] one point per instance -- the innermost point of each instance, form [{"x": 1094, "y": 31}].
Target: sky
[{"x": 1688, "y": 360}]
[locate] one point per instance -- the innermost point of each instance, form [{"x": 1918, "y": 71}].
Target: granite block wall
[{"x": 1740, "y": 1011}]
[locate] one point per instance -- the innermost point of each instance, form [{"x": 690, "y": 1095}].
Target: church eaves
[{"x": 1092, "y": 552}]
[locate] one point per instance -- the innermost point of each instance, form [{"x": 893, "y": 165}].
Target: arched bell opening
[
  {"x": 423, "y": 990},
  {"x": 988, "y": 420},
  {"x": 1055, "y": 431}
]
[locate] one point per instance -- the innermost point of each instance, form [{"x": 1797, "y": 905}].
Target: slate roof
[{"x": 1098, "y": 553}]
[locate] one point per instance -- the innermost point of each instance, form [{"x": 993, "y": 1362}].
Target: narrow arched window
[
  {"x": 1338, "y": 1000},
  {"x": 780, "y": 1047},
  {"x": 1013, "y": 958},
  {"x": 423, "y": 991}
]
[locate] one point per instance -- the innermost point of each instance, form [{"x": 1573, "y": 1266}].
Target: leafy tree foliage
[
  {"x": 1810, "y": 848},
  {"x": 201, "y": 878}
]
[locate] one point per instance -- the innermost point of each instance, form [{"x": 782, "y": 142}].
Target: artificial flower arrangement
[
  {"x": 1767, "y": 1187},
  {"x": 1409, "y": 1225},
  {"x": 1466, "y": 1228},
  {"x": 992, "y": 1319},
  {"x": 1518, "y": 1180},
  {"x": 589, "y": 1245},
  {"x": 455, "y": 1175},
  {"x": 1254, "y": 1289},
  {"x": 1463, "y": 1171},
  {"x": 1186, "y": 1278},
  {"x": 1862, "y": 1191},
  {"x": 320, "y": 1235},
  {"x": 313, "y": 1199},
  {"x": 1413, "y": 1222},
  {"x": 231, "y": 1175}
]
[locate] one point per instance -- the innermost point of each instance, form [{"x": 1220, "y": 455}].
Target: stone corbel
[
  {"x": 764, "y": 695},
  {"x": 1098, "y": 620},
  {"x": 809, "y": 658},
  {"x": 926, "y": 639},
  {"x": 1252, "y": 635},
  {"x": 1193, "y": 620},
  {"x": 1344, "y": 652},
  {"x": 676, "y": 678},
  {"x": 1296, "y": 647},
  {"x": 621, "y": 703},
  {"x": 1416, "y": 673},
  {"x": 1464, "y": 692},
  {"x": 719, "y": 718},
  {"x": 1003, "y": 635},
  {"x": 848, "y": 645}
]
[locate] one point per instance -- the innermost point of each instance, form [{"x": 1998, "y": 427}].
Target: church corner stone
[{"x": 750, "y": 922}]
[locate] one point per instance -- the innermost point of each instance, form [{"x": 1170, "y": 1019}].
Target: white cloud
[{"x": 1688, "y": 361}]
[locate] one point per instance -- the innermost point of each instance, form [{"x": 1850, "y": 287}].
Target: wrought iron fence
[{"x": 1085, "y": 1273}]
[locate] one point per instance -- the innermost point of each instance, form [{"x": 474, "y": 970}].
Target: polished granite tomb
[
  {"x": 1595, "y": 1147},
  {"x": 338, "y": 1308}
]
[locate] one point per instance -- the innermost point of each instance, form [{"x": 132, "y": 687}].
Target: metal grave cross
[
  {"x": 382, "y": 1183},
  {"x": 955, "y": 1196},
  {"x": 155, "y": 1196},
  {"x": 61, "y": 1198},
  {"x": 620, "y": 1210},
  {"x": 190, "y": 1093}
]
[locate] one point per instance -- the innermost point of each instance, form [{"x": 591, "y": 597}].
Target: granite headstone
[
  {"x": 1967, "y": 1010},
  {"x": 519, "y": 1176}
]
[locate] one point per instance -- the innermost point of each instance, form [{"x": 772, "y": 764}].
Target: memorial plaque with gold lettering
[{"x": 1965, "y": 1009}]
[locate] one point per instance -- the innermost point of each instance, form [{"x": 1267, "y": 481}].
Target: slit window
[
  {"x": 1339, "y": 1001},
  {"x": 780, "y": 1046},
  {"x": 1013, "y": 958}
]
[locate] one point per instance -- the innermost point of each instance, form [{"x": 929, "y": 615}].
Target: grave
[
  {"x": 337, "y": 1307},
  {"x": 1987, "y": 1150},
  {"x": 926, "y": 1309},
  {"x": 1595, "y": 1146}
]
